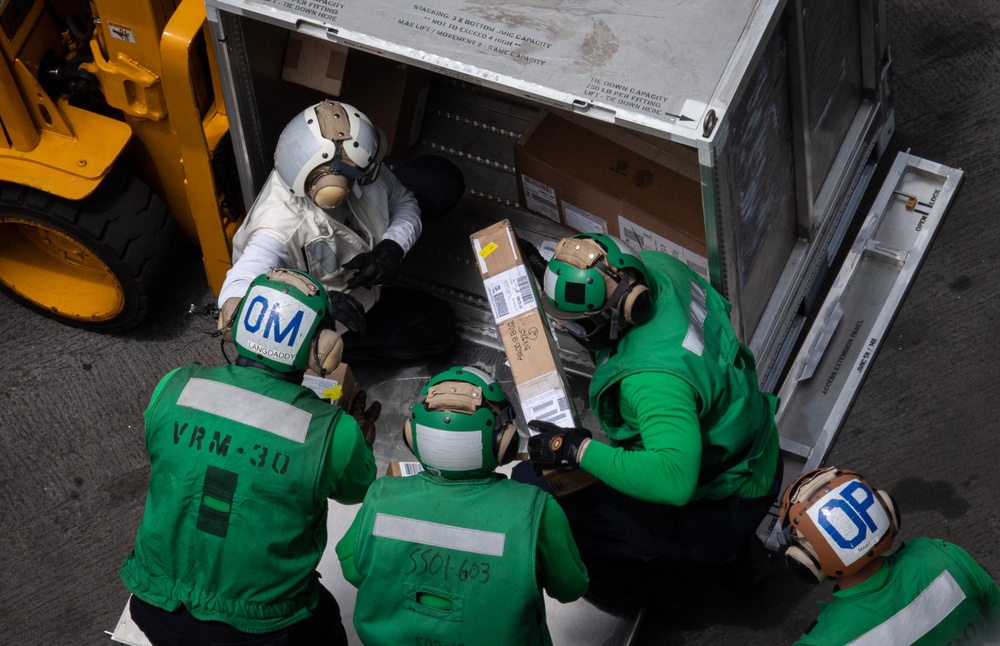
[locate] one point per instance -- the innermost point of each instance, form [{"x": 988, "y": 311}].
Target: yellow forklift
[{"x": 114, "y": 148}]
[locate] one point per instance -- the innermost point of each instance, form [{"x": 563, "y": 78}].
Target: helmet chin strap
[{"x": 615, "y": 318}]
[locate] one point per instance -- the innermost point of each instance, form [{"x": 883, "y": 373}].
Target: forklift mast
[{"x": 89, "y": 92}]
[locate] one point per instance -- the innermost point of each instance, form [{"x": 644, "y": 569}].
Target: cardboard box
[
  {"x": 393, "y": 95},
  {"x": 677, "y": 157},
  {"x": 339, "y": 387},
  {"x": 524, "y": 331},
  {"x": 315, "y": 63},
  {"x": 596, "y": 179}
]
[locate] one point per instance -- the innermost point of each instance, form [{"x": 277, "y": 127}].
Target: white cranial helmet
[{"x": 332, "y": 135}]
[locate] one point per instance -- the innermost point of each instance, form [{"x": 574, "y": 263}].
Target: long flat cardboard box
[{"x": 527, "y": 340}]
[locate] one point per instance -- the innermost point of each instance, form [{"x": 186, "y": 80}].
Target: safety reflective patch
[
  {"x": 439, "y": 535},
  {"x": 919, "y": 617},
  {"x": 694, "y": 340},
  {"x": 246, "y": 407},
  {"x": 449, "y": 450}
]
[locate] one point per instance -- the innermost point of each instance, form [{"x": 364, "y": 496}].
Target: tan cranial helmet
[
  {"x": 835, "y": 522},
  {"x": 324, "y": 148}
]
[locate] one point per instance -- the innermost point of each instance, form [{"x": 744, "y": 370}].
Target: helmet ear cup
[
  {"x": 408, "y": 435},
  {"x": 637, "y": 304},
  {"x": 800, "y": 558},
  {"x": 891, "y": 508},
  {"x": 227, "y": 317},
  {"x": 505, "y": 444},
  {"x": 326, "y": 352}
]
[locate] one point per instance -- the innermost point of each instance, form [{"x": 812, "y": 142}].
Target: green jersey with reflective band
[
  {"x": 449, "y": 562},
  {"x": 689, "y": 336},
  {"x": 235, "y": 519},
  {"x": 929, "y": 592}
]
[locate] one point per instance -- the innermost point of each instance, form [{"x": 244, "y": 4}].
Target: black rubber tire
[{"x": 123, "y": 223}]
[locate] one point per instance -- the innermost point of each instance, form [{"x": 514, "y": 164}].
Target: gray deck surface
[{"x": 73, "y": 466}]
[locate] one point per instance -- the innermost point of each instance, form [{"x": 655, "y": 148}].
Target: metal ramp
[{"x": 836, "y": 354}]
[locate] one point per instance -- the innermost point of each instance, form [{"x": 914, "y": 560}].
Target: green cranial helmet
[
  {"x": 277, "y": 319},
  {"x": 587, "y": 283},
  {"x": 462, "y": 426}
]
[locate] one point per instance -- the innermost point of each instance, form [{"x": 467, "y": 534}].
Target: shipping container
[{"x": 738, "y": 135}]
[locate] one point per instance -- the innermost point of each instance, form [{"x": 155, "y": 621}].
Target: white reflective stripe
[
  {"x": 921, "y": 615},
  {"x": 694, "y": 340},
  {"x": 426, "y": 533},
  {"x": 449, "y": 450},
  {"x": 246, "y": 407}
]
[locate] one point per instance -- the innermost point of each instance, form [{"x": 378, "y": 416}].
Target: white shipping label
[
  {"x": 642, "y": 238},
  {"x": 583, "y": 221},
  {"x": 509, "y": 293},
  {"x": 547, "y": 249},
  {"x": 551, "y": 406},
  {"x": 324, "y": 388},
  {"x": 540, "y": 198},
  {"x": 410, "y": 468}
]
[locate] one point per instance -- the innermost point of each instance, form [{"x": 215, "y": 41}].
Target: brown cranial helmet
[{"x": 835, "y": 523}]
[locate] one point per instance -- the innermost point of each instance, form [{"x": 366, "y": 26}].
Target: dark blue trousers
[
  {"x": 407, "y": 323},
  {"x": 179, "y": 628},
  {"x": 635, "y": 550}
]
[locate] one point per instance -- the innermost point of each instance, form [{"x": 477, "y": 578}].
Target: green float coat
[
  {"x": 929, "y": 592},
  {"x": 688, "y": 352},
  {"x": 236, "y": 514},
  {"x": 449, "y": 562}
]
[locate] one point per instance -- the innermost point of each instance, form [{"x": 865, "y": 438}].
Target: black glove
[
  {"x": 555, "y": 446},
  {"x": 351, "y": 313},
  {"x": 376, "y": 266},
  {"x": 365, "y": 417},
  {"x": 533, "y": 259}
]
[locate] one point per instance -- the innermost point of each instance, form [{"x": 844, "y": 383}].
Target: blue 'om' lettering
[
  {"x": 855, "y": 509},
  {"x": 273, "y": 320}
]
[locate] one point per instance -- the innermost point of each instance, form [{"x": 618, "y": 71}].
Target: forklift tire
[{"x": 92, "y": 263}]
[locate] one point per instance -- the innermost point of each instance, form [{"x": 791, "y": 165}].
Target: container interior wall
[
  {"x": 475, "y": 127},
  {"x": 276, "y": 100},
  {"x": 756, "y": 198},
  {"x": 756, "y": 180},
  {"x": 832, "y": 58}
]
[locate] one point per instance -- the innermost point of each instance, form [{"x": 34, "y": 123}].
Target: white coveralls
[{"x": 282, "y": 230}]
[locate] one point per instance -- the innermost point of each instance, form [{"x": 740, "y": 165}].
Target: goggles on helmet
[{"x": 585, "y": 282}]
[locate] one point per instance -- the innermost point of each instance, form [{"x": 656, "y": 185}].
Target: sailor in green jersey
[
  {"x": 243, "y": 459},
  {"x": 458, "y": 554},
  {"x": 928, "y": 592},
  {"x": 691, "y": 464}
]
